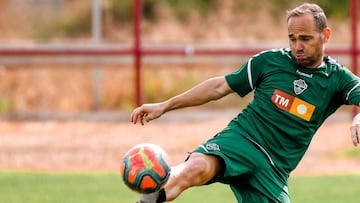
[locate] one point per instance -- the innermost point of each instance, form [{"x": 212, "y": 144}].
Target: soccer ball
[{"x": 144, "y": 168}]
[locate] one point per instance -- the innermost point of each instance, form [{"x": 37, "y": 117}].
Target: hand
[
  {"x": 355, "y": 130},
  {"x": 146, "y": 112}
]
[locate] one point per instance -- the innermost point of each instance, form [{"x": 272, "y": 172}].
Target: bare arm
[{"x": 211, "y": 89}]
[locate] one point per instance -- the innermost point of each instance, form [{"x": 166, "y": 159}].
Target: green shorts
[{"x": 247, "y": 170}]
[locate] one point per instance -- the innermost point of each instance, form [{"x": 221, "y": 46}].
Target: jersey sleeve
[
  {"x": 244, "y": 79},
  {"x": 350, "y": 87}
]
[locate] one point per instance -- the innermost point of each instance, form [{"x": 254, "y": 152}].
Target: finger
[
  {"x": 134, "y": 116},
  {"x": 355, "y": 135},
  {"x": 147, "y": 118},
  {"x": 142, "y": 116},
  {"x": 355, "y": 140}
]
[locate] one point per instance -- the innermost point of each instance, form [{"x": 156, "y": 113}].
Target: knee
[
  {"x": 198, "y": 170},
  {"x": 203, "y": 167}
]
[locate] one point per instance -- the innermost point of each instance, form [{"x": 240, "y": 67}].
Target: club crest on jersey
[
  {"x": 299, "y": 86},
  {"x": 212, "y": 147}
]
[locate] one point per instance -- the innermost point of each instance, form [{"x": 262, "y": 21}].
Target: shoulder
[
  {"x": 334, "y": 66},
  {"x": 275, "y": 57},
  {"x": 333, "y": 63},
  {"x": 279, "y": 53},
  {"x": 339, "y": 73}
]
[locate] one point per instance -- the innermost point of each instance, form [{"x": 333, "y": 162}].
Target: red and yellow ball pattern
[{"x": 144, "y": 168}]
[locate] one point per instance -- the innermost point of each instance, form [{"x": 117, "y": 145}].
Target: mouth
[{"x": 300, "y": 56}]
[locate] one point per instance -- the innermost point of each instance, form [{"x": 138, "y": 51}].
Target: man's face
[{"x": 306, "y": 41}]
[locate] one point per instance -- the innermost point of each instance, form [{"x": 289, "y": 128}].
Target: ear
[{"x": 326, "y": 34}]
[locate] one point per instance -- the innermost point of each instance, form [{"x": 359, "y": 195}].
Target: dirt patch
[{"x": 80, "y": 145}]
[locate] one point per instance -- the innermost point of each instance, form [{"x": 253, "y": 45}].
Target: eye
[
  {"x": 306, "y": 38},
  {"x": 291, "y": 39}
]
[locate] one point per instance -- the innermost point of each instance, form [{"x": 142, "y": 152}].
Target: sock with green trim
[
  {"x": 161, "y": 197},
  {"x": 156, "y": 197}
]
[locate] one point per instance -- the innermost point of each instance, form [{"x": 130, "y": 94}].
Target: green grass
[
  {"x": 349, "y": 153},
  {"x": 17, "y": 187},
  {"x": 329, "y": 189},
  {"x": 31, "y": 187}
]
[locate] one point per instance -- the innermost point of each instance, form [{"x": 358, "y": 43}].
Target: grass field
[{"x": 31, "y": 187}]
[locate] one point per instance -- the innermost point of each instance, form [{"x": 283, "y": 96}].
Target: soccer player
[{"x": 295, "y": 90}]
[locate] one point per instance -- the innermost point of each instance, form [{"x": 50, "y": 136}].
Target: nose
[{"x": 299, "y": 45}]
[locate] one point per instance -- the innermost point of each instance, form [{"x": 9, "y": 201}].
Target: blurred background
[
  {"x": 64, "y": 58},
  {"x": 68, "y": 67}
]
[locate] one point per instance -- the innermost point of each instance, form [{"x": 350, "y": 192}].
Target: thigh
[
  {"x": 239, "y": 156},
  {"x": 245, "y": 168},
  {"x": 248, "y": 195},
  {"x": 268, "y": 182}
]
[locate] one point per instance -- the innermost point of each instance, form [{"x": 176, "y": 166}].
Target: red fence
[
  {"x": 138, "y": 51},
  {"x": 353, "y": 50}
]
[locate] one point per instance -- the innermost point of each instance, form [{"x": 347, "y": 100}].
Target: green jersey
[{"x": 290, "y": 102}]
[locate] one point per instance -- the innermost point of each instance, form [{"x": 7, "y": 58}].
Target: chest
[{"x": 300, "y": 93}]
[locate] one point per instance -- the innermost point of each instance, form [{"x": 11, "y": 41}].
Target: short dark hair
[{"x": 315, "y": 10}]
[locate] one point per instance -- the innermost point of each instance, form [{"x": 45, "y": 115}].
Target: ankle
[{"x": 161, "y": 196}]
